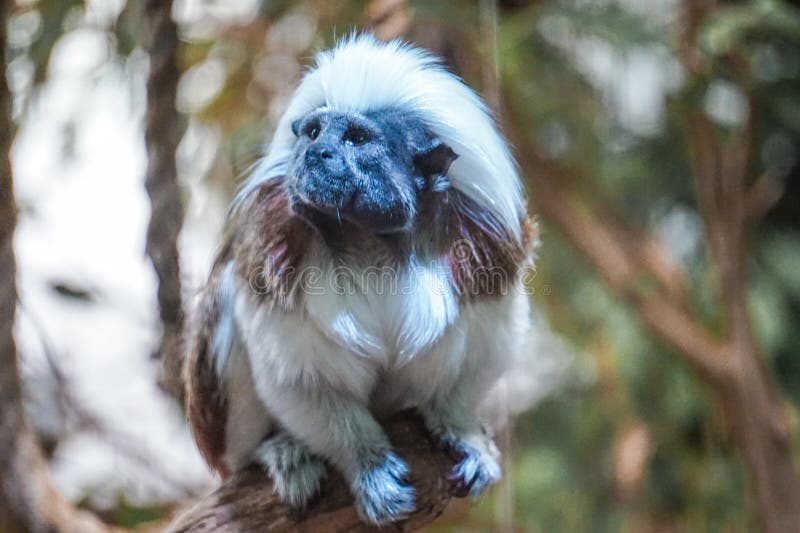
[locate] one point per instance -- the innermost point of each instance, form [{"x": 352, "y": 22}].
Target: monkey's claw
[
  {"x": 476, "y": 470},
  {"x": 383, "y": 494}
]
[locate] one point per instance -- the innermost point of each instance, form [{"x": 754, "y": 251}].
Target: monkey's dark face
[{"x": 368, "y": 169}]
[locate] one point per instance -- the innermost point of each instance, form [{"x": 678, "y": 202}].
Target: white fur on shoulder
[
  {"x": 225, "y": 332},
  {"x": 363, "y": 74}
]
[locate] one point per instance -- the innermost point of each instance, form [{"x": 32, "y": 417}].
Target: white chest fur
[
  {"x": 349, "y": 326},
  {"x": 390, "y": 315}
]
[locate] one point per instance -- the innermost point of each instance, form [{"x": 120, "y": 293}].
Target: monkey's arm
[
  {"x": 342, "y": 430},
  {"x": 452, "y": 414},
  {"x": 227, "y": 418}
]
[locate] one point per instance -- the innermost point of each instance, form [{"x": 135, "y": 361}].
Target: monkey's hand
[
  {"x": 296, "y": 472},
  {"x": 478, "y": 467},
  {"x": 382, "y": 492},
  {"x": 339, "y": 428},
  {"x": 460, "y": 431}
]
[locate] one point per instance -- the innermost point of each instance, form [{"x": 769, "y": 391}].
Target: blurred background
[{"x": 658, "y": 142}]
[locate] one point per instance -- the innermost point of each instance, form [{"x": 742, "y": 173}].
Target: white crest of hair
[{"x": 363, "y": 74}]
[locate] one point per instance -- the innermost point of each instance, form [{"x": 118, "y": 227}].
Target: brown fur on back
[
  {"x": 484, "y": 257},
  {"x": 206, "y": 399},
  {"x": 269, "y": 242}
]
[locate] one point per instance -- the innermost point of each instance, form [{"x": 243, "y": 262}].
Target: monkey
[{"x": 371, "y": 264}]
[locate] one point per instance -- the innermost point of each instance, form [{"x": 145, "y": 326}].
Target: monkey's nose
[{"x": 316, "y": 152}]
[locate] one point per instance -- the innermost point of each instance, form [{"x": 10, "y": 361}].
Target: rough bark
[
  {"x": 15, "y": 507},
  {"x": 246, "y": 502},
  {"x": 163, "y": 127}
]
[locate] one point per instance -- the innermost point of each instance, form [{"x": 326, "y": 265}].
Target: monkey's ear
[
  {"x": 435, "y": 160},
  {"x": 296, "y": 127}
]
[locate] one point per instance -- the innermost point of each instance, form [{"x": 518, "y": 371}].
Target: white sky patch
[
  {"x": 200, "y": 85},
  {"x": 24, "y": 28},
  {"x": 680, "y": 231},
  {"x": 78, "y": 53},
  {"x": 202, "y": 19},
  {"x": 725, "y": 103},
  {"x": 102, "y": 12},
  {"x": 634, "y": 83},
  {"x": 206, "y": 209}
]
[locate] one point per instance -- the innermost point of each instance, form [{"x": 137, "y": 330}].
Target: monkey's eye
[
  {"x": 357, "y": 136},
  {"x": 312, "y": 130}
]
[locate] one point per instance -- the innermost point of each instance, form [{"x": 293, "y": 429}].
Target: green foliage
[
  {"x": 129, "y": 516},
  {"x": 731, "y": 26}
]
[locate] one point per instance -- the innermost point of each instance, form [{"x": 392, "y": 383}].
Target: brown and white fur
[{"x": 303, "y": 337}]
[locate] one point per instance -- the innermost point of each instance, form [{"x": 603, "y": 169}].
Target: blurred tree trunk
[
  {"x": 28, "y": 501},
  {"x": 752, "y": 402},
  {"x": 163, "y": 129},
  {"x": 16, "y": 509}
]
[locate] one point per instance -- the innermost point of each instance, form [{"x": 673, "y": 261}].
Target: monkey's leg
[
  {"x": 339, "y": 428},
  {"x": 296, "y": 472},
  {"x": 496, "y": 329},
  {"x": 452, "y": 418}
]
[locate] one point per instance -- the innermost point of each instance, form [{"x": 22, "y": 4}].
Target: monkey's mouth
[
  {"x": 330, "y": 219},
  {"x": 337, "y": 203},
  {"x": 321, "y": 216}
]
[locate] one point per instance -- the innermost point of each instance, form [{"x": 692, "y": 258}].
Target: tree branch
[
  {"x": 625, "y": 257},
  {"x": 757, "y": 413},
  {"x": 388, "y": 19},
  {"x": 626, "y": 272},
  {"x": 163, "y": 127},
  {"x": 247, "y": 503}
]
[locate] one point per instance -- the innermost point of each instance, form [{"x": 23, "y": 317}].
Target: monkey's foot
[
  {"x": 478, "y": 467},
  {"x": 382, "y": 492},
  {"x": 295, "y": 471}
]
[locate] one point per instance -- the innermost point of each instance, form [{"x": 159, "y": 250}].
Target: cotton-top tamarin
[{"x": 371, "y": 265}]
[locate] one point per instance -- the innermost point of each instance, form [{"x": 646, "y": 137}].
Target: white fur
[
  {"x": 417, "y": 338},
  {"x": 349, "y": 323},
  {"x": 358, "y": 340},
  {"x": 225, "y": 332},
  {"x": 387, "y": 314},
  {"x": 407, "y": 347},
  {"x": 363, "y": 74},
  {"x": 249, "y": 421}
]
